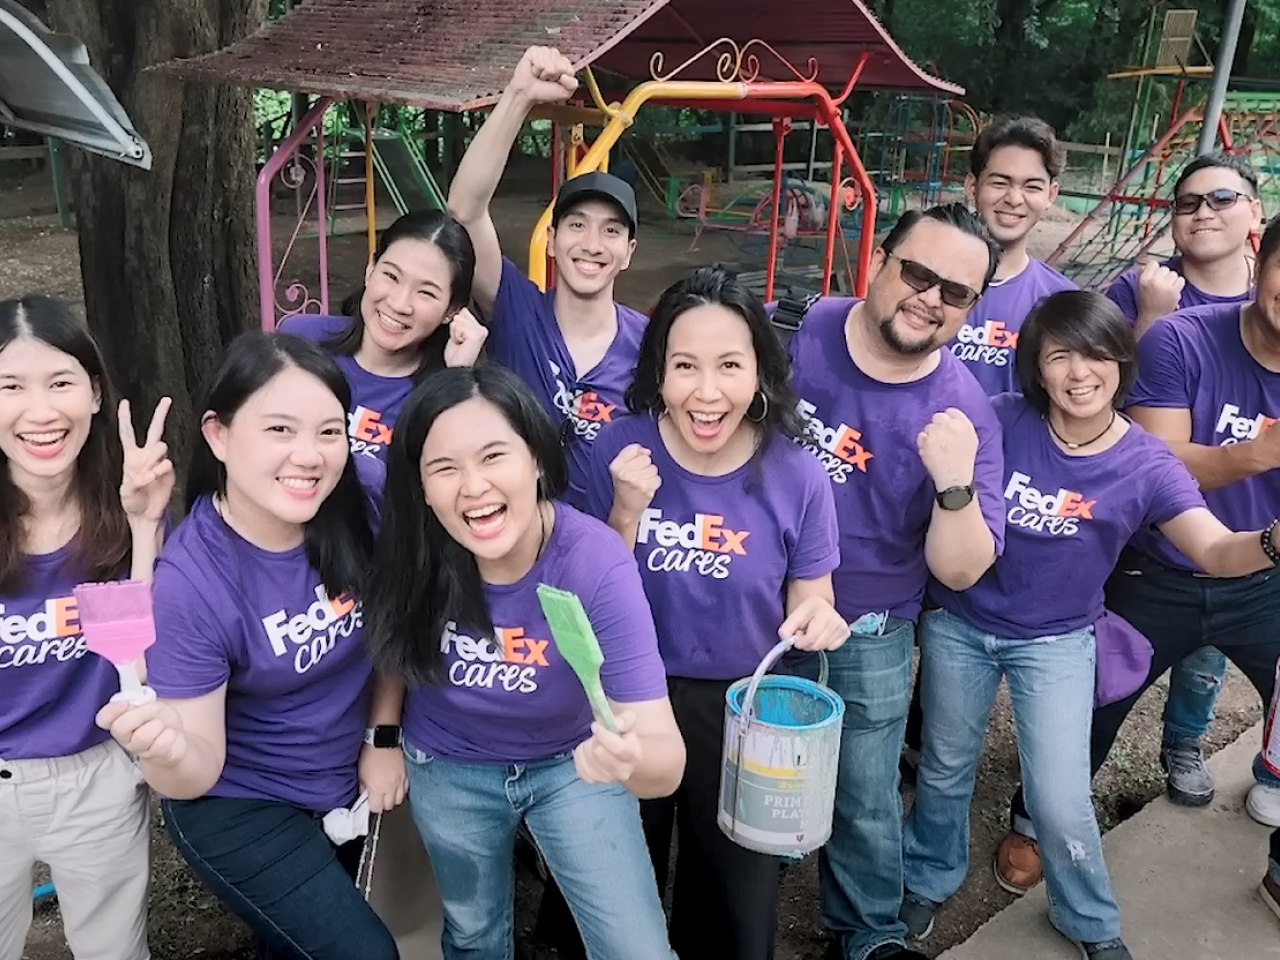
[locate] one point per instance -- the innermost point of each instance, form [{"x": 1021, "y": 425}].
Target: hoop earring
[{"x": 764, "y": 412}]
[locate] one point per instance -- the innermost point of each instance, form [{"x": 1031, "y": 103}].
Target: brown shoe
[
  {"x": 1270, "y": 892},
  {"x": 1017, "y": 865}
]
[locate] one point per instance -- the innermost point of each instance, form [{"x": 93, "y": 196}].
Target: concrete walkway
[{"x": 1187, "y": 881}]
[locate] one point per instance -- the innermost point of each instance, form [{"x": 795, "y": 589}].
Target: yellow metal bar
[
  {"x": 623, "y": 116},
  {"x": 370, "y": 210},
  {"x": 569, "y": 115},
  {"x": 610, "y": 110}
]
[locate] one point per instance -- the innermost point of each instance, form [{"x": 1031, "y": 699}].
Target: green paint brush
[{"x": 577, "y": 643}]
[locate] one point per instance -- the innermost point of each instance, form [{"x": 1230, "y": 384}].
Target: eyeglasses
[
  {"x": 921, "y": 279},
  {"x": 1188, "y": 204}
]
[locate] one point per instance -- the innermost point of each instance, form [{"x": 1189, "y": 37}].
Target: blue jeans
[
  {"x": 589, "y": 835},
  {"x": 1193, "y": 691},
  {"x": 274, "y": 868},
  {"x": 860, "y": 868},
  {"x": 1051, "y": 682}
]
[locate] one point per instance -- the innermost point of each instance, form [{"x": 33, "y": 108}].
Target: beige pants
[{"x": 86, "y": 816}]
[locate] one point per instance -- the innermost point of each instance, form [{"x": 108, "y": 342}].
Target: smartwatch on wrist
[
  {"x": 956, "y": 498},
  {"x": 383, "y": 736}
]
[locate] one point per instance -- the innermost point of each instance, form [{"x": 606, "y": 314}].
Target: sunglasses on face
[
  {"x": 1188, "y": 204},
  {"x": 921, "y": 279}
]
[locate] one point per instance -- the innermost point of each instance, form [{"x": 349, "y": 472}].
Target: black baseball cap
[{"x": 597, "y": 186}]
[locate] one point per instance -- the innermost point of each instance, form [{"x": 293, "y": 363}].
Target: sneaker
[
  {"x": 1107, "y": 950},
  {"x": 1269, "y": 890},
  {"x": 1017, "y": 865},
  {"x": 1264, "y": 804},
  {"x": 917, "y": 913},
  {"x": 1189, "y": 781}
]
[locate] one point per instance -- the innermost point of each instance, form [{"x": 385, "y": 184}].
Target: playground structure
[
  {"x": 337, "y": 50},
  {"x": 1132, "y": 218}
]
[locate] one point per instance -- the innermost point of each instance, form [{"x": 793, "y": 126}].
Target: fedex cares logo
[
  {"x": 51, "y": 633},
  {"x": 992, "y": 343},
  {"x": 367, "y": 433},
  {"x": 1059, "y": 513},
  {"x": 584, "y": 408},
  {"x": 840, "y": 448},
  {"x": 313, "y": 633},
  {"x": 507, "y": 661},
  {"x": 1238, "y": 427},
  {"x": 704, "y": 545}
]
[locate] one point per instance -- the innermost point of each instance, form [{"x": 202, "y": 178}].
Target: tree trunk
[{"x": 167, "y": 255}]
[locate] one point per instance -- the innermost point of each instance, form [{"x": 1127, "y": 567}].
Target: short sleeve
[
  {"x": 1174, "y": 493},
  {"x": 192, "y": 654},
  {"x": 599, "y": 481},
  {"x": 816, "y": 551},
  {"x": 1123, "y": 293},
  {"x": 517, "y": 296},
  {"x": 1164, "y": 379},
  {"x": 620, "y": 615},
  {"x": 988, "y": 471}
]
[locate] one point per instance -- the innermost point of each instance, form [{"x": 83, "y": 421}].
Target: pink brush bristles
[{"x": 118, "y": 626}]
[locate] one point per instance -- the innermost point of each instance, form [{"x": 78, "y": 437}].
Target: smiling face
[
  {"x": 47, "y": 405},
  {"x": 284, "y": 449},
  {"x": 1080, "y": 387},
  {"x": 591, "y": 245},
  {"x": 480, "y": 479},
  {"x": 1012, "y": 193},
  {"x": 406, "y": 295},
  {"x": 710, "y": 377},
  {"x": 915, "y": 323},
  {"x": 1208, "y": 236}
]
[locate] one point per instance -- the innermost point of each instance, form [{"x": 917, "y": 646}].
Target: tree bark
[{"x": 167, "y": 255}]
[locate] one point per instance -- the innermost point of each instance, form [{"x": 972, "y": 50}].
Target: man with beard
[{"x": 913, "y": 450}]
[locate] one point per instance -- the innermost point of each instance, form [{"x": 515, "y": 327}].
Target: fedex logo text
[
  {"x": 366, "y": 431},
  {"x": 705, "y": 545},
  {"x": 992, "y": 343},
  {"x": 1059, "y": 513},
  {"x": 584, "y": 409},
  {"x": 1238, "y": 427},
  {"x": 52, "y": 633},
  {"x": 314, "y": 633},
  {"x": 840, "y": 449},
  {"x": 509, "y": 660}
]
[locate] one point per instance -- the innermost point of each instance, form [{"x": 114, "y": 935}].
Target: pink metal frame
[{"x": 294, "y": 175}]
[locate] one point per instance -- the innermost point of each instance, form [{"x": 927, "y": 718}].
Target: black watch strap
[{"x": 956, "y": 498}]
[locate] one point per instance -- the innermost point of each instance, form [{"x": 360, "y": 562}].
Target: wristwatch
[
  {"x": 386, "y": 735},
  {"x": 956, "y": 498}
]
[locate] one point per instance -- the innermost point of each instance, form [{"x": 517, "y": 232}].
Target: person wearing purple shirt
[
  {"x": 71, "y": 798},
  {"x": 573, "y": 345},
  {"x": 1013, "y": 181},
  {"x": 408, "y": 320},
  {"x": 262, "y": 680},
  {"x": 497, "y": 727},
  {"x": 734, "y": 529},
  {"x": 1080, "y": 480},
  {"x": 912, "y": 449},
  {"x": 1212, "y": 230}
]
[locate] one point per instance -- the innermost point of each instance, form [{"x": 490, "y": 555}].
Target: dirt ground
[{"x": 36, "y": 256}]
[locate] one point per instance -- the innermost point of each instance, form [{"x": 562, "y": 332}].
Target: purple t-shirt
[
  {"x": 1124, "y": 292},
  {"x": 375, "y": 400},
  {"x": 864, "y": 433},
  {"x": 511, "y": 697},
  {"x": 1067, "y": 519},
  {"x": 1195, "y": 360},
  {"x": 293, "y": 660},
  {"x": 51, "y": 687},
  {"x": 987, "y": 340},
  {"x": 716, "y": 553},
  {"x": 525, "y": 337}
]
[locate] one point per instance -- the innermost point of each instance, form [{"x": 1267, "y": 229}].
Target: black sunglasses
[
  {"x": 921, "y": 279},
  {"x": 1223, "y": 199}
]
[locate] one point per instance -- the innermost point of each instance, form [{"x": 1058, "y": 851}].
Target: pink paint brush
[{"x": 118, "y": 625}]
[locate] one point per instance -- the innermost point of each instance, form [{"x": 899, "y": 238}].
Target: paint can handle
[{"x": 770, "y": 658}]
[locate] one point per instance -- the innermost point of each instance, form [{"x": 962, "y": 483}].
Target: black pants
[
  {"x": 1180, "y": 613},
  {"x": 725, "y": 897}
]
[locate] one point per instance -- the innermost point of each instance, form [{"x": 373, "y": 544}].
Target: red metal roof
[{"x": 458, "y": 54}]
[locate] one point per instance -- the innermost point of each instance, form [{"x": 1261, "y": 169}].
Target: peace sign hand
[{"x": 148, "y": 473}]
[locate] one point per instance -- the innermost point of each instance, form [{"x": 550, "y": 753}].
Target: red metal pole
[
  {"x": 780, "y": 127},
  {"x": 833, "y": 218}
]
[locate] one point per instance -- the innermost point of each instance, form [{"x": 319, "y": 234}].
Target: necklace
[{"x": 1077, "y": 446}]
